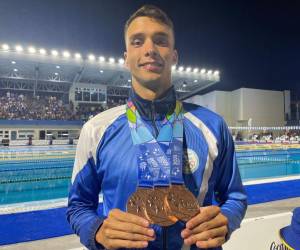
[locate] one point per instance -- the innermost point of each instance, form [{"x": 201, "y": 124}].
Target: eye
[
  {"x": 136, "y": 42},
  {"x": 162, "y": 41}
]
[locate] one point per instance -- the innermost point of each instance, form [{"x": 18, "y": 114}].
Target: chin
[{"x": 152, "y": 84}]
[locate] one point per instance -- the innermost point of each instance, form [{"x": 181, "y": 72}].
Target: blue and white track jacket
[{"x": 106, "y": 163}]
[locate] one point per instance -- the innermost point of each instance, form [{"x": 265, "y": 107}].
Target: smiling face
[{"x": 150, "y": 54}]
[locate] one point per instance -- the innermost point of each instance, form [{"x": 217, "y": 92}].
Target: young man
[{"x": 106, "y": 157}]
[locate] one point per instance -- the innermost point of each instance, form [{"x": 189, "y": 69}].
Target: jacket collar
[{"x": 157, "y": 108}]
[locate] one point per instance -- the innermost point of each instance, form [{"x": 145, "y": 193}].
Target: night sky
[{"x": 253, "y": 43}]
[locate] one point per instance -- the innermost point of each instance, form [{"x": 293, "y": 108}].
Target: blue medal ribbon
[{"x": 159, "y": 159}]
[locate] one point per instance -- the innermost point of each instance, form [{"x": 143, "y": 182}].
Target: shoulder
[
  {"x": 206, "y": 116},
  {"x": 106, "y": 117},
  {"x": 94, "y": 129}
]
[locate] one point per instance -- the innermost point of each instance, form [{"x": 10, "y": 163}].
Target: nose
[{"x": 150, "y": 49}]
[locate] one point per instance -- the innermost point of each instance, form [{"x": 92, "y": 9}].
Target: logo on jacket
[{"x": 190, "y": 161}]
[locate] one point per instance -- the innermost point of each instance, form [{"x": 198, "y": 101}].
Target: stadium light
[
  {"x": 56, "y": 73},
  {"x": 195, "y": 70},
  {"x": 101, "y": 58},
  {"x": 19, "y": 48},
  {"x": 188, "y": 69},
  {"x": 195, "y": 80},
  {"x": 13, "y": 62},
  {"x": 180, "y": 69},
  {"x": 5, "y": 46},
  {"x": 54, "y": 53},
  {"x": 111, "y": 60},
  {"x": 203, "y": 71},
  {"x": 66, "y": 54},
  {"x": 184, "y": 85},
  {"x": 91, "y": 57},
  {"x": 57, "y": 66},
  {"x": 42, "y": 51},
  {"x": 174, "y": 67},
  {"x": 77, "y": 55},
  {"x": 31, "y": 50},
  {"x": 216, "y": 73},
  {"x": 121, "y": 61},
  {"x": 101, "y": 71},
  {"x": 15, "y": 70},
  {"x": 209, "y": 72}
]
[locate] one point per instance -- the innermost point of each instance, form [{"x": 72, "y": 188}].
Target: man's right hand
[{"x": 124, "y": 230}]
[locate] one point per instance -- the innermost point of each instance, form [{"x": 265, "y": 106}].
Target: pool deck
[{"x": 71, "y": 242}]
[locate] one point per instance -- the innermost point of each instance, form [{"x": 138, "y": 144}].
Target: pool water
[
  {"x": 35, "y": 173},
  {"x": 43, "y": 173},
  {"x": 261, "y": 164}
]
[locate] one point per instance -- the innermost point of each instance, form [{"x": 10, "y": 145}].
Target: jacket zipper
[
  {"x": 164, "y": 231},
  {"x": 153, "y": 119}
]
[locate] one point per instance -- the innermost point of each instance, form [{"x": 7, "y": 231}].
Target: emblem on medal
[{"x": 163, "y": 206}]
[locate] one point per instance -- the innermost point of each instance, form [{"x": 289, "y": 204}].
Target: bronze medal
[
  {"x": 155, "y": 207},
  {"x": 136, "y": 203},
  {"x": 181, "y": 203}
]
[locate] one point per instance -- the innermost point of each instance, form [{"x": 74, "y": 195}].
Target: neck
[
  {"x": 149, "y": 94},
  {"x": 161, "y": 106}
]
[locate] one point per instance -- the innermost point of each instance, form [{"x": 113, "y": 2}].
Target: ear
[
  {"x": 125, "y": 59},
  {"x": 175, "y": 57}
]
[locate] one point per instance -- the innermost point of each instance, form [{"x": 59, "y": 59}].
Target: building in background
[{"x": 248, "y": 107}]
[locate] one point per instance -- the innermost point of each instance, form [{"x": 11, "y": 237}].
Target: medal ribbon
[{"x": 159, "y": 159}]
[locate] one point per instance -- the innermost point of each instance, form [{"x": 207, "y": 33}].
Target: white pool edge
[{"x": 58, "y": 203}]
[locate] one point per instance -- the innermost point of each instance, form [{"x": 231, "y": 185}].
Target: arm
[
  {"x": 229, "y": 191},
  {"x": 119, "y": 229},
  {"x": 83, "y": 195},
  {"x": 214, "y": 224}
]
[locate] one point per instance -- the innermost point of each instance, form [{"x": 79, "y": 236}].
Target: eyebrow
[{"x": 140, "y": 34}]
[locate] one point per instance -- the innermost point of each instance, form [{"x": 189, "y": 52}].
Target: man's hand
[
  {"x": 207, "y": 229},
  {"x": 124, "y": 230}
]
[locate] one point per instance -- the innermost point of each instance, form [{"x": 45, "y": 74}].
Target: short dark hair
[{"x": 150, "y": 11}]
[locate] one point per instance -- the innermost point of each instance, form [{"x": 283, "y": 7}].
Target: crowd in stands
[
  {"x": 116, "y": 101},
  {"x": 15, "y": 106},
  {"x": 85, "y": 111},
  {"x": 268, "y": 136},
  {"x": 19, "y": 106}
]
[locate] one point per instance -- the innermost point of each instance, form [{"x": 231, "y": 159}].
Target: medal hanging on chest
[{"x": 161, "y": 196}]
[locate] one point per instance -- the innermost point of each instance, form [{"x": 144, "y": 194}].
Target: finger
[
  {"x": 204, "y": 236},
  {"x": 114, "y": 234},
  {"x": 127, "y": 217},
  {"x": 186, "y": 233},
  {"x": 216, "y": 242},
  {"x": 127, "y": 244},
  {"x": 219, "y": 221},
  {"x": 206, "y": 214},
  {"x": 128, "y": 227}
]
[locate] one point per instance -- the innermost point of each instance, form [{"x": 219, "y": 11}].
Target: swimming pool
[
  {"x": 261, "y": 164},
  {"x": 35, "y": 173},
  {"x": 43, "y": 173}
]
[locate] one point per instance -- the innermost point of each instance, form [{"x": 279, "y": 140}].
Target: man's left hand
[{"x": 207, "y": 229}]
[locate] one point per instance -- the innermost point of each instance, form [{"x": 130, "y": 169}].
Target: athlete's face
[{"x": 150, "y": 52}]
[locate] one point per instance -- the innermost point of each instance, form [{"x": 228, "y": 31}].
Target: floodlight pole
[{"x": 36, "y": 80}]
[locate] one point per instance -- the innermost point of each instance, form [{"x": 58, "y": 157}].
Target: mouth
[{"x": 151, "y": 66}]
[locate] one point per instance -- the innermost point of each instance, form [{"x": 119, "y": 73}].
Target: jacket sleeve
[
  {"x": 84, "y": 192},
  {"x": 229, "y": 191}
]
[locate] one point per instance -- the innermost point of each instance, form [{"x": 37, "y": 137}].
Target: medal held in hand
[
  {"x": 136, "y": 203},
  {"x": 159, "y": 165},
  {"x": 181, "y": 203},
  {"x": 156, "y": 209}
]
